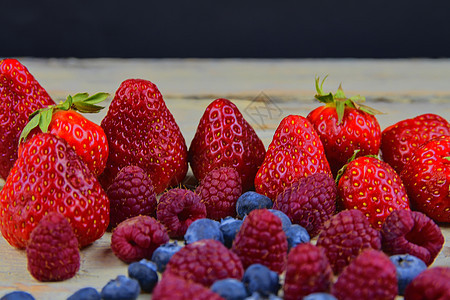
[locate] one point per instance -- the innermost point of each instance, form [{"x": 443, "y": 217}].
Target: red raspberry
[
  {"x": 136, "y": 238},
  {"x": 261, "y": 240},
  {"x": 308, "y": 271},
  {"x": 173, "y": 287},
  {"x": 130, "y": 194},
  {"x": 371, "y": 275},
  {"x": 309, "y": 202},
  {"x": 433, "y": 283},
  {"x": 204, "y": 262},
  {"x": 219, "y": 190},
  {"x": 177, "y": 209},
  {"x": 411, "y": 232},
  {"x": 345, "y": 235},
  {"x": 52, "y": 251}
]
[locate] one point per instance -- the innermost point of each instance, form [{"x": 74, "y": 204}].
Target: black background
[{"x": 214, "y": 29}]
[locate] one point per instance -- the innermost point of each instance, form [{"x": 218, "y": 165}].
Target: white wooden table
[{"x": 400, "y": 88}]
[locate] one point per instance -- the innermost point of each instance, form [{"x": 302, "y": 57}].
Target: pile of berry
[{"x": 319, "y": 214}]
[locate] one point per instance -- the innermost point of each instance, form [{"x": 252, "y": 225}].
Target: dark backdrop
[{"x": 262, "y": 29}]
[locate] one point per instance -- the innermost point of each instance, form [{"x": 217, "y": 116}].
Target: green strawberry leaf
[
  {"x": 97, "y": 98},
  {"x": 340, "y": 109},
  {"x": 66, "y": 105},
  {"x": 30, "y": 126},
  {"x": 328, "y": 98},
  {"x": 79, "y": 97},
  {"x": 45, "y": 119},
  {"x": 87, "y": 107}
]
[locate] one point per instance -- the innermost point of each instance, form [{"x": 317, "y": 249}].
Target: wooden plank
[{"x": 401, "y": 88}]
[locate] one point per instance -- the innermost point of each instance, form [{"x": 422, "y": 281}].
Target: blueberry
[
  {"x": 259, "y": 278},
  {"x": 17, "y": 295},
  {"x": 230, "y": 227},
  {"x": 319, "y": 296},
  {"x": 249, "y": 201},
  {"x": 285, "y": 221},
  {"x": 121, "y": 288},
  {"x": 152, "y": 265},
  {"x": 146, "y": 276},
  {"x": 163, "y": 253},
  {"x": 408, "y": 267},
  {"x": 87, "y": 293},
  {"x": 296, "y": 234},
  {"x": 203, "y": 229},
  {"x": 230, "y": 289},
  {"x": 258, "y": 296}
]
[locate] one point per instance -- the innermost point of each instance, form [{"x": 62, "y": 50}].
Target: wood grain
[{"x": 400, "y": 88}]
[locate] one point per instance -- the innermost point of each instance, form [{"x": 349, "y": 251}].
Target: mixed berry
[{"x": 316, "y": 215}]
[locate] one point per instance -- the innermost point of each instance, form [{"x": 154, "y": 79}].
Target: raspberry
[
  {"x": 369, "y": 276},
  {"x": 262, "y": 240},
  {"x": 204, "y": 262},
  {"x": 130, "y": 194},
  {"x": 308, "y": 271},
  {"x": 173, "y": 287},
  {"x": 52, "y": 252},
  {"x": 177, "y": 209},
  {"x": 136, "y": 238},
  {"x": 219, "y": 190},
  {"x": 309, "y": 202},
  {"x": 433, "y": 283},
  {"x": 411, "y": 232},
  {"x": 345, "y": 235}
]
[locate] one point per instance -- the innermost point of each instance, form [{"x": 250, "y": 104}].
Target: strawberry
[
  {"x": 49, "y": 176},
  {"x": 344, "y": 125},
  {"x": 142, "y": 131},
  {"x": 86, "y": 138},
  {"x": 427, "y": 179},
  {"x": 225, "y": 139},
  {"x": 296, "y": 151},
  {"x": 20, "y": 95},
  {"x": 373, "y": 187},
  {"x": 400, "y": 140}
]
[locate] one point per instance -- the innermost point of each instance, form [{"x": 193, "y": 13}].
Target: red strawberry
[
  {"x": 373, "y": 187},
  {"x": 345, "y": 236},
  {"x": 399, "y": 141},
  {"x": 172, "y": 287},
  {"x": 220, "y": 190},
  {"x": 308, "y": 271},
  {"x": 261, "y": 240},
  {"x": 86, "y": 138},
  {"x": 371, "y": 275},
  {"x": 137, "y": 238},
  {"x": 427, "y": 179},
  {"x": 141, "y": 131},
  {"x": 205, "y": 262},
  {"x": 20, "y": 95},
  {"x": 344, "y": 125},
  {"x": 225, "y": 139},
  {"x": 295, "y": 152},
  {"x": 309, "y": 202},
  {"x": 131, "y": 194},
  {"x": 49, "y": 176},
  {"x": 52, "y": 252}
]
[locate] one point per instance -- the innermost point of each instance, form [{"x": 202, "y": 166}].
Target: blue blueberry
[
  {"x": 203, "y": 229},
  {"x": 152, "y": 265},
  {"x": 121, "y": 288},
  {"x": 163, "y": 253},
  {"x": 146, "y": 276},
  {"x": 230, "y": 227},
  {"x": 17, "y": 295},
  {"x": 259, "y": 278},
  {"x": 408, "y": 267},
  {"x": 297, "y": 234},
  {"x": 230, "y": 289},
  {"x": 249, "y": 201},
  {"x": 283, "y": 217},
  {"x": 87, "y": 293},
  {"x": 258, "y": 296},
  {"x": 319, "y": 296}
]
